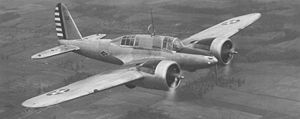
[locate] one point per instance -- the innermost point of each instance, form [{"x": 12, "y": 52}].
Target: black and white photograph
[{"x": 149, "y": 59}]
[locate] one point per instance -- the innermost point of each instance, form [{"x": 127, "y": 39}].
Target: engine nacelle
[
  {"x": 223, "y": 49},
  {"x": 160, "y": 75}
]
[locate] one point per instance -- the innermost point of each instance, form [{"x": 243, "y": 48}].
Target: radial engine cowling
[
  {"x": 159, "y": 75},
  {"x": 223, "y": 49}
]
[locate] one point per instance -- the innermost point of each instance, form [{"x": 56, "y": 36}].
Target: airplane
[{"x": 156, "y": 61}]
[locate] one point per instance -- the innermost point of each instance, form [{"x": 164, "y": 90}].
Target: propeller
[
  {"x": 171, "y": 94},
  {"x": 216, "y": 71},
  {"x": 226, "y": 69},
  {"x": 41, "y": 87},
  {"x": 227, "y": 51}
]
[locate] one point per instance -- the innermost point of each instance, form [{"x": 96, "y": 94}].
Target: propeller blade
[
  {"x": 227, "y": 70},
  {"x": 171, "y": 96},
  {"x": 216, "y": 71}
]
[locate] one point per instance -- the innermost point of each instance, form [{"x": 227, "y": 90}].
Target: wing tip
[
  {"x": 35, "y": 102},
  {"x": 36, "y": 56},
  {"x": 254, "y": 16},
  {"x": 31, "y": 104}
]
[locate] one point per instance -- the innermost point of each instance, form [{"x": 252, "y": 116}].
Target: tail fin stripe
[
  {"x": 57, "y": 19},
  {"x": 59, "y": 34},
  {"x": 58, "y": 24},
  {"x": 58, "y": 29},
  {"x": 65, "y": 25},
  {"x": 56, "y": 14}
]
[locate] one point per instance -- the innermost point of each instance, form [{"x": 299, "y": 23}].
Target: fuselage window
[
  {"x": 136, "y": 42},
  {"x": 168, "y": 43},
  {"x": 131, "y": 42},
  {"x": 156, "y": 43},
  {"x": 123, "y": 41},
  {"x": 128, "y": 40},
  {"x": 165, "y": 43}
]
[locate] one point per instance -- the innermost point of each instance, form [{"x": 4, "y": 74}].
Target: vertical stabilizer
[{"x": 65, "y": 25}]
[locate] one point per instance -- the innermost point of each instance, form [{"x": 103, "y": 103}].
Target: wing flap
[
  {"x": 224, "y": 29},
  {"x": 87, "y": 86},
  {"x": 54, "y": 51}
]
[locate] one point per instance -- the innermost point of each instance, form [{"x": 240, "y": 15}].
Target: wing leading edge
[
  {"x": 224, "y": 29},
  {"x": 87, "y": 86}
]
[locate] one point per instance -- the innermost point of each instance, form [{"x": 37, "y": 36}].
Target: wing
[
  {"x": 55, "y": 51},
  {"x": 137, "y": 59},
  {"x": 84, "y": 87},
  {"x": 224, "y": 29}
]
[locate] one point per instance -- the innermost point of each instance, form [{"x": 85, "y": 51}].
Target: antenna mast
[{"x": 152, "y": 23}]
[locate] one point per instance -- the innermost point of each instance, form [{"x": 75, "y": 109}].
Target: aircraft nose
[{"x": 212, "y": 60}]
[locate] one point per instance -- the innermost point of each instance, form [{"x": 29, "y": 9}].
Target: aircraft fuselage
[{"x": 110, "y": 51}]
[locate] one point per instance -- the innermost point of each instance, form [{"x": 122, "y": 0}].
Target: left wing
[
  {"x": 87, "y": 86},
  {"x": 224, "y": 29}
]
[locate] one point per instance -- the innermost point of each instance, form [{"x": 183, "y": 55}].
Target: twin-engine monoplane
[{"x": 156, "y": 60}]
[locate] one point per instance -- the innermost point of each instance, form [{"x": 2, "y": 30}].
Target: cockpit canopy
[
  {"x": 149, "y": 42},
  {"x": 129, "y": 40}
]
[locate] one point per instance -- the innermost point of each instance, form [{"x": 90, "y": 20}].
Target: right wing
[
  {"x": 55, "y": 51},
  {"x": 224, "y": 29},
  {"x": 87, "y": 86}
]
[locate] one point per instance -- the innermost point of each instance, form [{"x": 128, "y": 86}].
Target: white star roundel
[{"x": 57, "y": 92}]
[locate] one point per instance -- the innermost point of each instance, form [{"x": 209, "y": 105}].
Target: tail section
[
  {"x": 66, "y": 29},
  {"x": 65, "y": 25}
]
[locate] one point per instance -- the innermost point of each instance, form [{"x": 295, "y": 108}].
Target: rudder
[{"x": 65, "y": 25}]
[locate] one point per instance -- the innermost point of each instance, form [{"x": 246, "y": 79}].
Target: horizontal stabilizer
[
  {"x": 95, "y": 36},
  {"x": 55, "y": 51}
]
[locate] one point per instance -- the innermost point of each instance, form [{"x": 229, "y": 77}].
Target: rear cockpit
[
  {"x": 165, "y": 43},
  {"x": 129, "y": 40}
]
